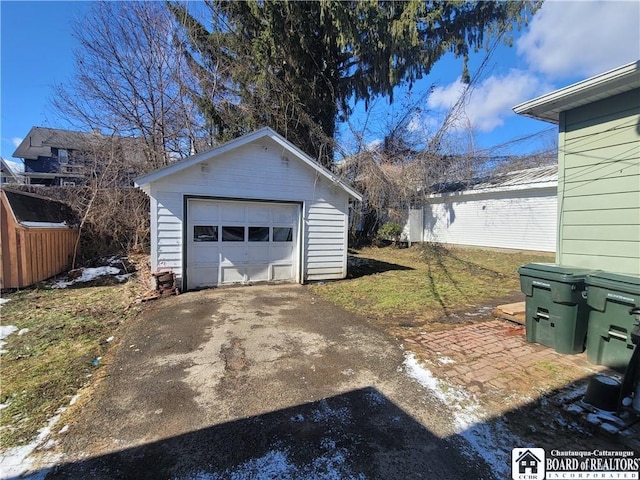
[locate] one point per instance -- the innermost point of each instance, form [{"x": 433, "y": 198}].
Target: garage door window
[
  {"x": 233, "y": 234},
  {"x": 205, "y": 233},
  {"x": 282, "y": 234},
  {"x": 258, "y": 234}
]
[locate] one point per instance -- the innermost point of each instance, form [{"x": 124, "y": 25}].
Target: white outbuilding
[
  {"x": 514, "y": 210},
  {"x": 255, "y": 209}
]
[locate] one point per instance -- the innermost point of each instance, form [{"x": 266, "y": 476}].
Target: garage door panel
[
  {"x": 200, "y": 277},
  {"x": 203, "y": 211},
  {"x": 259, "y": 254},
  {"x": 282, "y": 272},
  {"x": 205, "y": 255},
  {"x": 234, "y": 254},
  {"x": 282, "y": 253},
  {"x": 284, "y": 215},
  {"x": 233, "y": 213},
  {"x": 258, "y": 273},
  {"x": 232, "y": 274},
  {"x": 259, "y": 214}
]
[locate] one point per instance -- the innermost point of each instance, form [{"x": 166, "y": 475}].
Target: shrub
[{"x": 390, "y": 231}]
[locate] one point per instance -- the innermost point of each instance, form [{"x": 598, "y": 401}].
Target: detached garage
[
  {"x": 516, "y": 210},
  {"x": 255, "y": 209}
]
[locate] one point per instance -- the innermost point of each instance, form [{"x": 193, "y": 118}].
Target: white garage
[
  {"x": 255, "y": 209},
  {"x": 515, "y": 210}
]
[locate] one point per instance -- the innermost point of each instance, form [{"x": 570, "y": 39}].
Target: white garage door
[{"x": 241, "y": 242}]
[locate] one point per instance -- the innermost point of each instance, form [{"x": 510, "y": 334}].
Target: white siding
[
  {"x": 260, "y": 171},
  {"x": 325, "y": 241},
  {"x": 522, "y": 219}
]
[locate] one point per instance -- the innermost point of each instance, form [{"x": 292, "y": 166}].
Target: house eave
[{"x": 548, "y": 107}]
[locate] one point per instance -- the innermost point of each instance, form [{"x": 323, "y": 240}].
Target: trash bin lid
[
  {"x": 555, "y": 272},
  {"x": 615, "y": 281}
]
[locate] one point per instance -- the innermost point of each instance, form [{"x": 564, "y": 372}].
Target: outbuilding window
[
  {"x": 233, "y": 234},
  {"x": 282, "y": 234},
  {"x": 258, "y": 234},
  {"x": 205, "y": 233}
]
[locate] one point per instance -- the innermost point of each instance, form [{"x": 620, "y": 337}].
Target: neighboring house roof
[
  {"x": 548, "y": 106},
  {"x": 264, "y": 132},
  {"x": 33, "y": 210},
  {"x": 40, "y": 140},
  {"x": 7, "y": 172},
  {"x": 539, "y": 177}
]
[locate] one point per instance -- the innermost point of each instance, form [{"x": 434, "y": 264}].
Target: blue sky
[{"x": 566, "y": 42}]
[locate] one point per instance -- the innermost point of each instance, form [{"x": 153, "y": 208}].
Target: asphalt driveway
[{"x": 259, "y": 382}]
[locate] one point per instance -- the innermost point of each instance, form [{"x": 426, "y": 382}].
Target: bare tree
[
  {"x": 410, "y": 162},
  {"x": 131, "y": 79}
]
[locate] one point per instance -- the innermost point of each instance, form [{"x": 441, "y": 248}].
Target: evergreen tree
[{"x": 297, "y": 66}]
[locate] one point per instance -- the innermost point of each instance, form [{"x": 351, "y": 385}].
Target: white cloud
[
  {"x": 373, "y": 144},
  {"x": 16, "y": 141},
  {"x": 490, "y": 102},
  {"x": 581, "y": 38}
]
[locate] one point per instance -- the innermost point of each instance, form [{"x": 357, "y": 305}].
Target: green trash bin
[
  {"x": 556, "y": 305},
  {"x": 611, "y": 297}
]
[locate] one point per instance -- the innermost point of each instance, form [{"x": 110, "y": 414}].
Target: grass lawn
[
  {"x": 425, "y": 286},
  {"x": 44, "y": 366}
]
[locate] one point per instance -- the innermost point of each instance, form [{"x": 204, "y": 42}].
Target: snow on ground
[
  {"x": 277, "y": 465},
  {"x": 4, "y": 300},
  {"x": 88, "y": 274},
  {"x": 489, "y": 438},
  {"x": 16, "y": 462},
  {"x": 5, "y": 331}
]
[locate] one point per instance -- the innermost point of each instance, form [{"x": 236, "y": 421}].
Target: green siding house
[{"x": 598, "y": 169}]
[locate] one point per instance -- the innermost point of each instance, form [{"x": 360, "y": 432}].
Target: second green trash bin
[
  {"x": 611, "y": 297},
  {"x": 556, "y": 305}
]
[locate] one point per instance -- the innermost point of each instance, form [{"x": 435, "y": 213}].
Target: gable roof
[
  {"x": 33, "y": 210},
  {"x": 605, "y": 85},
  {"x": 264, "y": 132},
  {"x": 40, "y": 140}
]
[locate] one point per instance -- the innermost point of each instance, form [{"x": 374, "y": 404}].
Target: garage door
[{"x": 241, "y": 242}]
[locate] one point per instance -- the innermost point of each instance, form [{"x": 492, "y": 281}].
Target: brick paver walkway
[{"x": 493, "y": 360}]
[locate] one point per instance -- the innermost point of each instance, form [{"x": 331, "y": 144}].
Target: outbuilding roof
[
  {"x": 548, "y": 106},
  {"x": 538, "y": 177},
  {"x": 264, "y": 132},
  {"x": 33, "y": 210}
]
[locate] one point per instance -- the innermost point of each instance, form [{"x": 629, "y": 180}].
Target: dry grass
[
  {"x": 46, "y": 365},
  {"x": 426, "y": 286}
]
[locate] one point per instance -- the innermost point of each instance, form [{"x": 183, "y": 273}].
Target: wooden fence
[{"x": 32, "y": 254}]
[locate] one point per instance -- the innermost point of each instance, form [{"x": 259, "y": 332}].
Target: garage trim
[{"x": 185, "y": 229}]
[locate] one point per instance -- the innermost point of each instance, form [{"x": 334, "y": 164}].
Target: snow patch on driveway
[
  {"x": 277, "y": 465},
  {"x": 488, "y": 438}
]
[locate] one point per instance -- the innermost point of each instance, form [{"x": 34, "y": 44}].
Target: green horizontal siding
[
  {"x": 623, "y": 265},
  {"x": 599, "y": 185},
  {"x": 627, "y": 233},
  {"x": 611, "y": 201}
]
